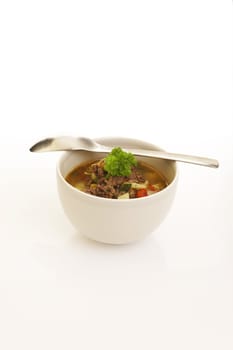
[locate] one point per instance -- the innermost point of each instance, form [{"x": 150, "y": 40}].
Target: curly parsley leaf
[{"x": 119, "y": 163}]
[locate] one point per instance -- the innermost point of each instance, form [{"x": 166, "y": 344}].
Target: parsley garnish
[{"x": 119, "y": 163}]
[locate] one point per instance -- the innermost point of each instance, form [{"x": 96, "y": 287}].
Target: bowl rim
[{"x": 115, "y": 200}]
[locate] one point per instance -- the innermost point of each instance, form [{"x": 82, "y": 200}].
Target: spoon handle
[
  {"x": 212, "y": 163},
  {"x": 66, "y": 143}
]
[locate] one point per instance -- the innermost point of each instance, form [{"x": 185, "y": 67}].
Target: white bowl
[{"x": 111, "y": 220}]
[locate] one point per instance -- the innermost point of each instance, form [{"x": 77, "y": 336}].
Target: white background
[{"x": 160, "y": 71}]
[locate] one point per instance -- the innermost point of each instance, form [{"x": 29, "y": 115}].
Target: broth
[{"x": 91, "y": 178}]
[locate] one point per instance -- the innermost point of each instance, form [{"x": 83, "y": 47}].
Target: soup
[{"x": 92, "y": 177}]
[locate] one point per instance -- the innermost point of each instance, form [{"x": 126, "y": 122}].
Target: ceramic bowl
[{"x": 111, "y": 220}]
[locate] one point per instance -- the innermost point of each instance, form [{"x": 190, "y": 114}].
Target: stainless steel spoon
[{"x": 68, "y": 143}]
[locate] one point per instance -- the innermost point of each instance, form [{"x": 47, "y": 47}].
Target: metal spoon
[{"x": 67, "y": 143}]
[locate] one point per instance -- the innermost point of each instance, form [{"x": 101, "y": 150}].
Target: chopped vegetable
[
  {"x": 124, "y": 196},
  {"x": 151, "y": 187},
  {"x": 119, "y": 163},
  {"x": 93, "y": 185},
  {"x": 150, "y": 192},
  {"x": 125, "y": 187},
  {"x": 137, "y": 186},
  {"x": 141, "y": 193},
  {"x": 80, "y": 186},
  {"x": 156, "y": 187}
]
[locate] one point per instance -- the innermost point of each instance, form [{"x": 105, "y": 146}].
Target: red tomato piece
[
  {"x": 151, "y": 187},
  {"x": 141, "y": 193}
]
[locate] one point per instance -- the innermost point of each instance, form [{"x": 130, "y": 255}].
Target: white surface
[{"x": 155, "y": 70}]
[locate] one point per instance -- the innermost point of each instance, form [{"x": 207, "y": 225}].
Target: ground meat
[
  {"x": 135, "y": 176},
  {"x": 103, "y": 190},
  {"x": 97, "y": 170},
  {"x": 106, "y": 186},
  {"x": 116, "y": 181}
]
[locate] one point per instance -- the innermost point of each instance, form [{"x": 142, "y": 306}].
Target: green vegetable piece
[
  {"x": 119, "y": 163},
  {"x": 125, "y": 187}
]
